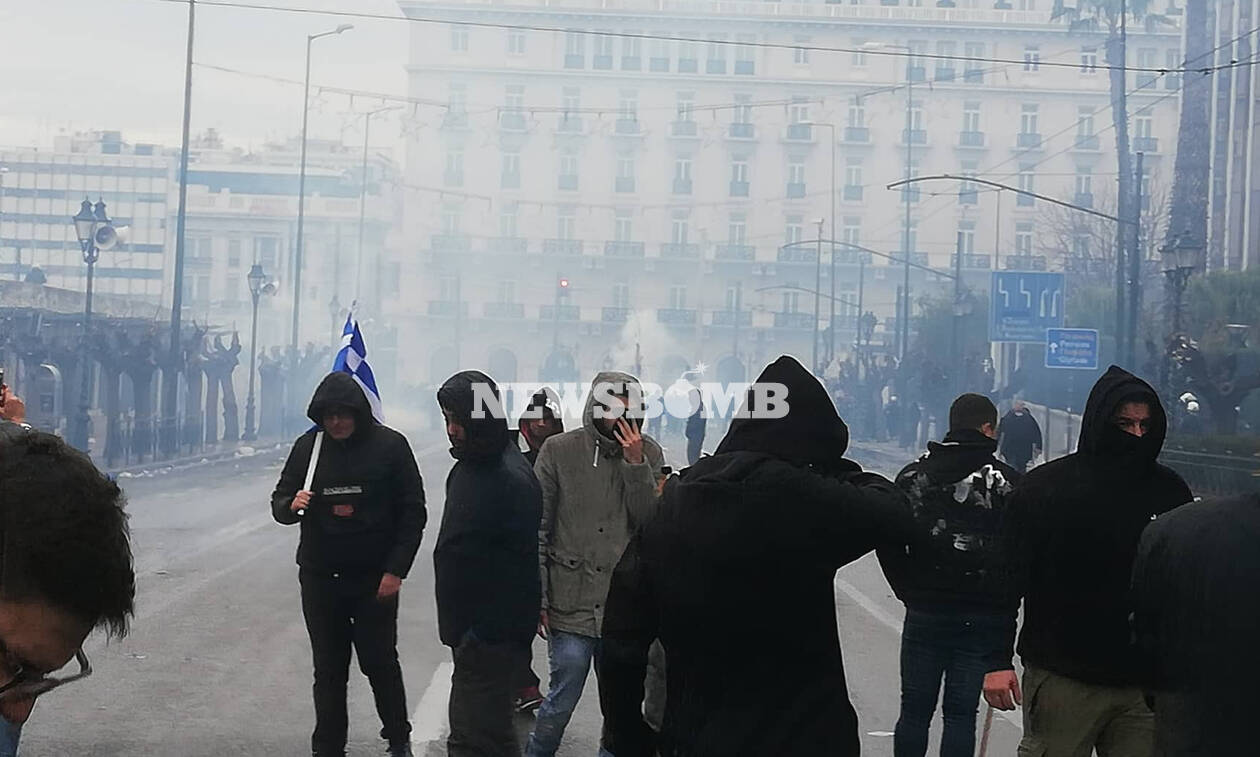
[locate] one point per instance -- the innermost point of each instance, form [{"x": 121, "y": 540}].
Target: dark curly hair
[{"x": 64, "y": 537}]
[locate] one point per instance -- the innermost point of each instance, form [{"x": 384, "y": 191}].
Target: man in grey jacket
[{"x": 598, "y": 485}]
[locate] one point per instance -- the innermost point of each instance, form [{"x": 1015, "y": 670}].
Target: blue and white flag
[{"x": 352, "y": 359}]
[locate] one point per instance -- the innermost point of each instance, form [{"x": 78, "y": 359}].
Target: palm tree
[{"x": 1191, "y": 172}]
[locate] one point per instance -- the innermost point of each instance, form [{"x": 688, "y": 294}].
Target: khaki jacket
[{"x": 593, "y": 500}]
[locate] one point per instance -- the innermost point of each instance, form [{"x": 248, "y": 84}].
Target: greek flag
[{"x": 352, "y": 359}]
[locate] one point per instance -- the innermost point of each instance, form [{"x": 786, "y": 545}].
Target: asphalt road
[{"x": 218, "y": 661}]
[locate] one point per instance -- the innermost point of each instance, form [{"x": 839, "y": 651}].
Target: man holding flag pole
[{"x": 354, "y": 486}]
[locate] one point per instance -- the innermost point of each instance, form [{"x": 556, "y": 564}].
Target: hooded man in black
[
  {"x": 1196, "y": 596},
  {"x": 1069, "y": 540},
  {"x": 486, "y": 566},
  {"x": 362, "y": 520},
  {"x": 951, "y": 580},
  {"x": 734, "y": 575}
]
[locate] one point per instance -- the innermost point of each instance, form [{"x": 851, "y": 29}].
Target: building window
[
  {"x": 661, "y": 52},
  {"x": 459, "y": 38},
  {"x": 851, "y": 230},
  {"x": 742, "y": 113},
  {"x": 965, "y": 241},
  {"x": 516, "y": 42},
  {"x": 506, "y": 290},
  {"x": 234, "y": 253},
  {"x": 853, "y": 179},
  {"x": 508, "y": 227},
  {"x": 715, "y": 57},
  {"x": 973, "y": 67},
  {"x": 631, "y": 52},
  {"x": 621, "y": 294},
  {"x": 857, "y": 113},
  {"x": 1147, "y": 58},
  {"x": 514, "y": 98},
  {"x": 628, "y": 105},
  {"x": 1024, "y": 239},
  {"x": 1173, "y": 62},
  {"x": 680, "y": 230},
  {"x": 737, "y": 229},
  {"x": 1080, "y": 245},
  {"x": 857, "y": 58},
  {"x": 510, "y": 174},
  {"x": 1085, "y": 121},
  {"x": 686, "y": 107},
  {"x": 574, "y": 50},
  {"x": 1089, "y": 60},
  {"x": 800, "y": 55},
  {"x": 1026, "y": 184},
  {"x": 911, "y": 192},
  {"x": 915, "y": 68},
  {"x": 791, "y": 302},
  {"x": 566, "y": 222},
  {"x": 267, "y": 252},
  {"x": 1084, "y": 186},
  {"x": 452, "y": 222},
  {"x": 967, "y": 194},
  {"x": 971, "y": 117},
  {"x": 571, "y": 101},
  {"x": 454, "y": 176},
  {"x": 1142, "y": 128},
  {"x": 739, "y": 170},
  {"x": 682, "y": 169},
  {"x": 623, "y": 226},
  {"x": 625, "y": 173},
  {"x": 795, "y": 230},
  {"x": 796, "y": 178},
  {"x": 745, "y": 55},
  {"x": 678, "y": 297},
  {"x": 946, "y": 53},
  {"x": 568, "y": 171},
  {"x": 688, "y": 57},
  {"x": 1028, "y": 119},
  {"x": 603, "y": 52},
  {"x": 1032, "y": 58},
  {"x": 798, "y": 111}
]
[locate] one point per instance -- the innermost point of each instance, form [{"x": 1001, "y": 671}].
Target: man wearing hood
[
  {"x": 951, "y": 579},
  {"x": 1019, "y": 436},
  {"x": 486, "y": 567},
  {"x": 540, "y": 422},
  {"x": 734, "y": 575},
  {"x": 598, "y": 486},
  {"x": 1070, "y": 538},
  {"x": 361, "y": 523},
  {"x": 1196, "y": 597}
]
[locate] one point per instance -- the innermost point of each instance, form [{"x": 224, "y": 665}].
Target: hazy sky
[{"x": 70, "y": 65}]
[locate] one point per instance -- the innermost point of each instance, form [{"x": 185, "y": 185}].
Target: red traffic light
[{"x": 564, "y": 283}]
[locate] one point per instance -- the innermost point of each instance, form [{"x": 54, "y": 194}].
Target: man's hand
[
  {"x": 544, "y": 625},
  {"x": 631, "y": 441},
  {"x": 1001, "y": 690},
  {"x": 301, "y": 501},
  {"x": 11, "y": 407},
  {"x": 390, "y": 584}
]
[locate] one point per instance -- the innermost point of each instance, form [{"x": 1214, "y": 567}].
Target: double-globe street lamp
[
  {"x": 259, "y": 284},
  {"x": 94, "y": 230}
]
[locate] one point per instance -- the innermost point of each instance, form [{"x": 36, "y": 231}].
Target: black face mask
[{"x": 1124, "y": 448}]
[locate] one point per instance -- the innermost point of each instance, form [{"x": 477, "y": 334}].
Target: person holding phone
[{"x": 598, "y": 484}]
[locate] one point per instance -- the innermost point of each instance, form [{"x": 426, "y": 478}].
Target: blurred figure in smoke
[{"x": 1019, "y": 436}]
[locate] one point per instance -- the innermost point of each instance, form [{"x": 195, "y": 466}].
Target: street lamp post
[
  {"x": 258, "y": 284},
  {"x": 817, "y": 292},
  {"x": 1180, "y": 262},
  {"x": 831, "y": 349},
  {"x": 90, "y": 225},
  {"x": 358, "y": 266},
  {"x": 297, "y": 250}
]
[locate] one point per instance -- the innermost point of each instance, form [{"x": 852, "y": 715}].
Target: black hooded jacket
[
  {"x": 1196, "y": 586},
  {"x": 1071, "y": 535},
  {"x": 486, "y": 559},
  {"x": 958, "y": 492},
  {"x": 374, "y": 479},
  {"x": 734, "y": 575}
]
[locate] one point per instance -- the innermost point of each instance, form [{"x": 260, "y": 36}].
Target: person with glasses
[{"x": 65, "y": 567}]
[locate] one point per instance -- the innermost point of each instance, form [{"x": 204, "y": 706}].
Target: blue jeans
[
  {"x": 953, "y": 646},
  {"x": 9, "y": 734},
  {"x": 570, "y": 656}
]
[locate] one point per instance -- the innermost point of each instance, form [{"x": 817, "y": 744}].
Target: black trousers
[
  {"x": 485, "y": 681},
  {"x": 342, "y": 610}
]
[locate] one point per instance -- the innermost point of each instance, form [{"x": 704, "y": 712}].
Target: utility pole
[
  {"x": 1122, "y": 149},
  {"x": 1135, "y": 266},
  {"x": 904, "y": 321},
  {"x": 170, "y": 381},
  {"x": 817, "y": 294},
  {"x": 831, "y": 347},
  {"x": 955, "y": 360}
]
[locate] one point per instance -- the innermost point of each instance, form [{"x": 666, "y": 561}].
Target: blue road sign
[
  {"x": 1023, "y": 304},
  {"x": 1072, "y": 348}
]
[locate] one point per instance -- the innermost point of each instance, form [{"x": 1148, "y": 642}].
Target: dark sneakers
[
  {"x": 527, "y": 700},
  {"x": 402, "y": 749}
]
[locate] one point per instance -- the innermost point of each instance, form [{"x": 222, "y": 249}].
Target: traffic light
[{"x": 562, "y": 291}]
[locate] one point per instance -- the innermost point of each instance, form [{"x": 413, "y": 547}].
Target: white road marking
[
  {"x": 883, "y": 616},
  {"x": 429, "y": 722}
]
